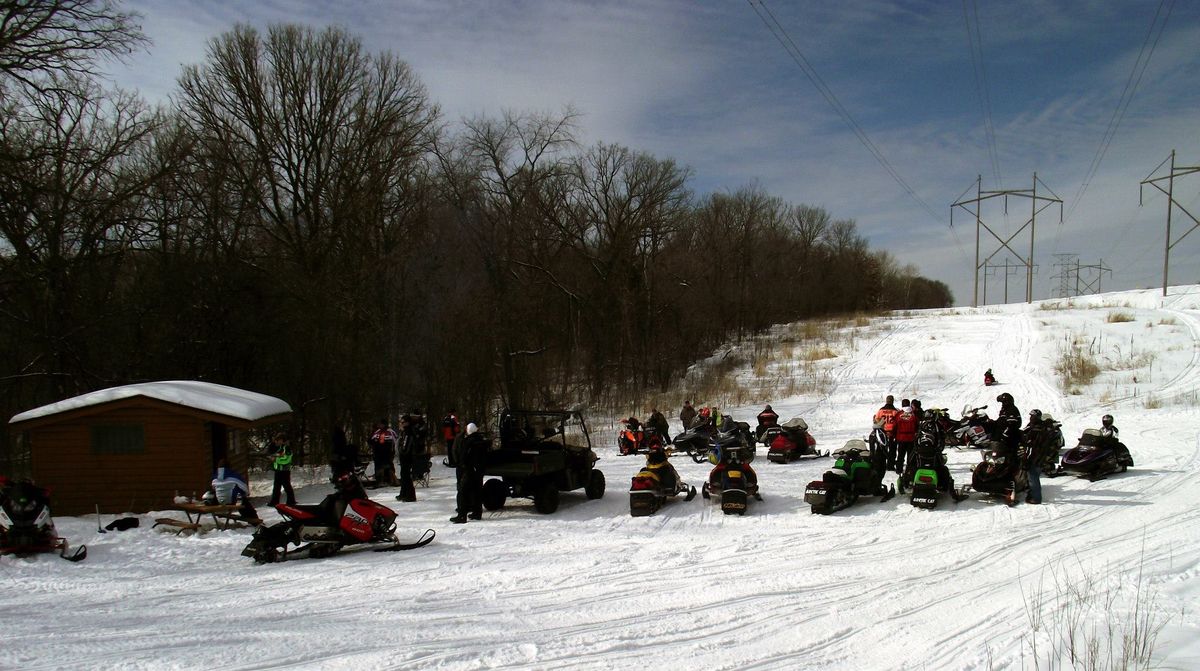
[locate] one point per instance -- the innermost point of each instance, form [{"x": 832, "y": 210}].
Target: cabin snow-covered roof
[{"x": 205, "y": 396}]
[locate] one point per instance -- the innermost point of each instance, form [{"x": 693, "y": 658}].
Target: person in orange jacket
[{"x": 886, "y": 416}]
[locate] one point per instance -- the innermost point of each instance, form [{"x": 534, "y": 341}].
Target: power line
[
  {"x": 1131, "y": 85},
  {"x": 789, "y": 45},
  {"x": 982, "y": 91}
]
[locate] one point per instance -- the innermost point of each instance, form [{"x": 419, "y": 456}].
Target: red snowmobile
[
  {"x": 989, "y": 379},
  {"x": 346, "y": 517},
  {"x": 732, "y": 481},
  {"x": 26, "y": 526},
  {"x": 792, "y": 441}
]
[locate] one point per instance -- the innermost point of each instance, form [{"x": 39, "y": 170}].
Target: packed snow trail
[{"x": 875, "y": 586}]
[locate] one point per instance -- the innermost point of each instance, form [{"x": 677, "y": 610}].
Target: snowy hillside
[{"x": 877, "y": 586}]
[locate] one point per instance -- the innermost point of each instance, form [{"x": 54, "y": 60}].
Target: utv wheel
[
  {"x": 494, "y": 493},
  {"x": 595, "y": 485},
  {"x": 546, "y": 499}
]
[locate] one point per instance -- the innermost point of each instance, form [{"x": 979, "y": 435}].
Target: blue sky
[{"x": 707, "y": 84}]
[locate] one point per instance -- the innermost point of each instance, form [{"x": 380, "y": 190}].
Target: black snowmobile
[
  {"x": 26, "y": 526},
  {"x": 1096, "y": 456},
  {"x": 346, "y": 517},
  {"x": 858, "y": 471},
  {"x": 1000, "y": 473},
  {"x": 695, "y": 442},
  {"x": 654, "y": 484},
  {"x": 732, "y": 481}
]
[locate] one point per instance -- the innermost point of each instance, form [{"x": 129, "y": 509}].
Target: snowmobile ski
[
  {"x": 425, "y": 539},
  {"x": 888, "y": 494}
]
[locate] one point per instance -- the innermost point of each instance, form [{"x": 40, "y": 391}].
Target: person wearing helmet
[
  {"x": 1008, "y": 421},
  {"x": 470, "y": 455},
  {"x": 1108, "y": 429},
  {"x": 1034, "y": 433},
  {"x": 768, "y": 417}
]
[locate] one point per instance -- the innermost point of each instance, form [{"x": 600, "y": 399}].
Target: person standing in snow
[
  {"x": 383, "y": 450},
  {"x": 343, "y": 457},
  {"x": 471, "y": 456},
  {"x": 1008, "y": 422},
  {"x": 906, "y": 437},
  {"x": 886, "y": 417},
  {"x": 450, "y": 431},
  {"x": 282, "y": 465},
  {"x": 1036, "y": 435},
  {"x": 658, "y": 422},
  {"x": 412, "y": 448},
  {"x": 687, "y": 416}
]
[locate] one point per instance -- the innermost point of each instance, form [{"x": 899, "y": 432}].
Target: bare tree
[{"x": 44, "y": 41}]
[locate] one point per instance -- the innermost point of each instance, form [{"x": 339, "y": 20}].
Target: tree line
[{"x": 301, "y": 220}]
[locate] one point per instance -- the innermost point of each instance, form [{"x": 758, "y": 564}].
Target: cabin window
[{"x": 118, "y": 439}]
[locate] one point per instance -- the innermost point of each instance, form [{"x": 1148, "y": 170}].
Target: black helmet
[
  {"x": 1005, "y": 398},
  {"x": 1035, "y": 416},
  {"x": 1106, "y": 420}
]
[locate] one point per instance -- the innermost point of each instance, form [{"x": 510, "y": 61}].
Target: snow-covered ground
[{"x": 878, "y": 586}]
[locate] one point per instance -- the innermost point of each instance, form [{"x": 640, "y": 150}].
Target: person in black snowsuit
[
  {"x": 470, "y": 456},
  {"x": 1008, "y": 422},
  {"x": 412, "y": 448},
  {"x": 343, "y": 457},
  {"x": 658, "y": 422},
  {"x": 687, "y": 416},
  {"x": 383, "y": 451}
]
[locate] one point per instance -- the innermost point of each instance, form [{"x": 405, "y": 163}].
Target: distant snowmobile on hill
[{"x": 989, "y": 379}]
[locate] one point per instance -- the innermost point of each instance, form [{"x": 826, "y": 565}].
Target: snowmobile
[
  {"x": 1000, "y": 474},
  {"x": 629, "y": 440},
  {"x": 792, "y": 441},
  {"x": 732, "y": 480},
  {"x": 927, "y": 475},
  {"x": 1050, "y": 433},
  {"x": 974, "y": 429},
  {"x": 346, "y": 517},
  {"x": 26, "y": 526},
  {"x": 654, "y": 484},
  {"x": 989, "y": 380},
  {"x": 1096, "y": 456},
  {"x": 695, "y": 442},
  {"x": 858, "y": 471},
  {"x": 638, "y": 440}
]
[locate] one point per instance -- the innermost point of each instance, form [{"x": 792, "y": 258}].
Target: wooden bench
[{"x": 180, "y": 525}]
